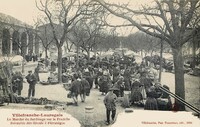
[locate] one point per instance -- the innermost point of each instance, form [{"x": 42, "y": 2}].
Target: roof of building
[{"x": 13, "y": 21}]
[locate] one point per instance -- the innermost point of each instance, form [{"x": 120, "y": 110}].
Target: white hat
[
  {"x": 105, "y": 73},
  {"x": 86, "y": 70}
]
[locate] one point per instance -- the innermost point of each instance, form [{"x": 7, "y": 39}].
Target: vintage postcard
[{"x": 98, "y": 63}]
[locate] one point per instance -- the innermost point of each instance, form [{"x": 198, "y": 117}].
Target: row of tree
[{"x": 174, "y": 22}]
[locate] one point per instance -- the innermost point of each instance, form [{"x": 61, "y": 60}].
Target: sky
[{"x": 26, "y": 11}]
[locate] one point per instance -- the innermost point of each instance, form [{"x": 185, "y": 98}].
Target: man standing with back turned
[
  {"x": 31, "y": 79},
  {"x": 109, "y": 101}
]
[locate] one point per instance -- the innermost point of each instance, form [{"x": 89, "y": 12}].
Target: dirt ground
[
  {"x": 57, "y": 92},
  {"x": 192, "y": 87}
]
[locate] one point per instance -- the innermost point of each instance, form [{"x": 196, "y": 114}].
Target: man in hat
[
  {"x": 32, "y": 80},
  {"x": 110, "y": 104}
]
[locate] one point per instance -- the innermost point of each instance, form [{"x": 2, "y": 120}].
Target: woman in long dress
[
  {"x": 136, "y": 95},
  {"x": 151, "y": 102}
]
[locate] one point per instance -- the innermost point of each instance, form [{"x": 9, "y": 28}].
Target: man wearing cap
[
  {"x": 109, "y": 101},
  {"x": 31, "y": 79}
]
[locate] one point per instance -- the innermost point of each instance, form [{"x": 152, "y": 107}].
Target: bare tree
[
  {"x": 45, "y": 35},
  {"x": 195, "y": 41},
  {"x": 69, "y": 45},
  {"x": 142, "y": 42},
  {"x": 87, "y": 34},
  {"x": 62, "y": 15},
  {"x": 109, "y": 40},
  {"x": 175, "y": 15}
]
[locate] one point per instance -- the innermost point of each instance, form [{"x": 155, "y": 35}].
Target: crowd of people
[
  {"x": 112, "y": 76},
  {"x": 30, "y": 56},
  {"x": 117, "y": 73}
]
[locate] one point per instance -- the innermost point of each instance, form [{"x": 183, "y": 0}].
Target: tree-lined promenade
[
  {"x": 175, "y": 22},
  {"x": 84, "y": 24}
]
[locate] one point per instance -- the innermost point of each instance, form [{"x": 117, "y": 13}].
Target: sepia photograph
[{"x": 100, "y": 63}]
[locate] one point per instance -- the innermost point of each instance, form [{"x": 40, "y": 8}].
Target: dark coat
[
  {"x": 85, "y": 87},
  {"x": 135, "y": 92},
  {"x": 17, "y": 82},
  {"x": 146, "y": 82},
  {"x": 20, "y": 82},
  {"x": 104, "y": 83},
  {"x": 164, "y": 105},
  {"x": 31, "y": 79},
  {"x": 75, "y": 87},
  {"x": 53, "y": 66},
  {"x": 151, "y": 103},
  {"x": 116, "y": 73},
  {"x": 127, "y": 81},
  {"x": 89, "y": 78},
  {"x": 110, "y": 100},
  {"x": 37, "y": 73}
]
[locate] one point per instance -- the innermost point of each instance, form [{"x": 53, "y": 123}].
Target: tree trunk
[
  {"x": 179, "y": 77},
  {"x": 142, "y": 53},
  {"x": 23, "y": 65},
  {"x": 88, "y": 55},
  {"x": 151, "y": 53},
  {"x": 23, "y": 61},
  {"x": 193, "y": 52},
  {"x": 46, "y": 56},
  {"x": 161, "y": 57},
  {"x": 59, "y": 64},
  {"x": 77, "y": 56}
]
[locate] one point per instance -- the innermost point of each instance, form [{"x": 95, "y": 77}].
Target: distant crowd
[{"x": 116, "y": 73}]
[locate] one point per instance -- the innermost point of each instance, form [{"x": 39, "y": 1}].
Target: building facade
[{"x": 17, "y": 38}]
